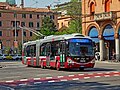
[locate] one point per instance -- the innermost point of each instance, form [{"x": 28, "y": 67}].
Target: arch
[
  {"x": 93, "y": 33},
  {"x": 89, "y": 2},
  {"x": 118, "y": 30},
  {"x": 104, "y": 24},
  {"x": 117, "y": 27},
  {"x": 103, "y": 1},
  {"x": 108, "y": 32},
  {"x": 92, "y": 25}
]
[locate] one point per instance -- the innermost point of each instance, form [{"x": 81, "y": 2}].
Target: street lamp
[{"x": 15, "y": 42}]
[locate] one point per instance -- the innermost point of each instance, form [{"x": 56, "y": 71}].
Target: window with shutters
[
  {"x": 92, "y": 10},
  {"x": 107, "y": 6}
]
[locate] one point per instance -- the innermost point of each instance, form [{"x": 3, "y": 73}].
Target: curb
[{"x": 110, "y": 62}]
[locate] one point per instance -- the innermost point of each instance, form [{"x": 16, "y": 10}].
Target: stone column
[
  {"x": 117, "y": 46},
  {"x": 101, "y": 47}
]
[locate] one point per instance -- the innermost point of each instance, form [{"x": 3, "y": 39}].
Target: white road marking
[
  {"x": 115, "y": 72},
  {"x": 63, "y": 80},
  {"x": 10, "y": 81},
  {"x": 37, "y": 82},
  {"x": 107, "y": 75},
  {"x": 49, "y": 77},
  {"x": 108, "y": 72},
  {"x": 22, "y": 84},
  {"x": 75, "y": 79},
  {"x": 24, "y": 80},
  {"x": 51, "y": 81},
  {"x": 36, "y": 79},
  {"x": 86, "y": 77},
  {"x": 116, "y": 75}
]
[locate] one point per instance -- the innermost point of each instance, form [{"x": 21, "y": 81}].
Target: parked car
[
  {"x": 8, "y": 57},
  {"x": 3, "y": 56},
  {"x": 16, "y": 57},
  {"x": 19, "y": 57}
]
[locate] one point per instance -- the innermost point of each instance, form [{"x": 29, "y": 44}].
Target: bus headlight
[{"x": 69, "y": 61}]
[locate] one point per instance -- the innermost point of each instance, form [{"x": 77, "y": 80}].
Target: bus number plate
[{"x": 82, "y": 61}]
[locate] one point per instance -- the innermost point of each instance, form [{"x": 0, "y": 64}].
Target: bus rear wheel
[{"x": 42, "y": 65}]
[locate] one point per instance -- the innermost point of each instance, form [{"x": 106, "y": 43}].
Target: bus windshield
[{"x": 80, "y": 47}]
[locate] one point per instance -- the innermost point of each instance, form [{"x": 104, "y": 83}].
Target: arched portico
[
  {"x": 93, "y": 33},
  {"x": 109, "y": 41},
  {"x": 117, "y": 42}
]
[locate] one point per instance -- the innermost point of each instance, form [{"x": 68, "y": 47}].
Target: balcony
[{"x": 104, "y": 16}]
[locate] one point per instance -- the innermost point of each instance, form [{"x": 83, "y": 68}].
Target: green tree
[
  {"x": 48, "y": 27},
  {"x": 74, "y": 10}
]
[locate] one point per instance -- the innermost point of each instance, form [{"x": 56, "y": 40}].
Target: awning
[
  {"x": 108, "y": 33},
  {"x": 94, "y": 34}
]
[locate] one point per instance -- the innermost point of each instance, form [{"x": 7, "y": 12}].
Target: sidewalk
[{"x": 108, "y": 61}]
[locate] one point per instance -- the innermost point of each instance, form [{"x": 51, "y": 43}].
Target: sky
[{"x": 41, "y": 3}]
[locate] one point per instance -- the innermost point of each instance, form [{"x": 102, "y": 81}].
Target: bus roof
[
  {"x": 63, "y": 37},
  {"x": 56, "y": 38}
]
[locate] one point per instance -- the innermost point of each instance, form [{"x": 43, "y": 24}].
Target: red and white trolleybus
[{"x": 60, "y": 51}]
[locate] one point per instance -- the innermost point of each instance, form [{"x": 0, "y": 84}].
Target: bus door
[
  {"x": 48, "y": 53},
  {"x": 25, "y": 54},
  {"x": 33, "y": 54},
  {"x": 62, "y": 54}
]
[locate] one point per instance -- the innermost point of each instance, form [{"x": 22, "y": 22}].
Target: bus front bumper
[{"x": 80, "y": 65}]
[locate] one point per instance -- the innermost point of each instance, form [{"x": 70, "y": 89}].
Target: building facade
[
  {"x": 101, "y": 21},
  {"x": 11, "y": 17},
  {"x": 63, "y": 18}
]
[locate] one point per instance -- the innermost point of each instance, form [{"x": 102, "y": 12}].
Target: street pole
[
  {"x": 15, "y": 27},
  {"x": 15, "y": 42},
  {"x": 22, "y": 38}
]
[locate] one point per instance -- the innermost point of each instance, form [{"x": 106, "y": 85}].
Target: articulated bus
[{"x": 60, "y": 51}]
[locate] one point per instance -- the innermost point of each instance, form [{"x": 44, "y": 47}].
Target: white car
[
  {"x": 16, "y": 57},
  {"x": 3, "y": 56}
]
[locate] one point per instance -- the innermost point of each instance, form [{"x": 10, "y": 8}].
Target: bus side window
[
  {"x": 33, "y": 50},
  {"x": 28, "y": 51},
  {"x": 62, "y": 47},
  {"x": 57, "y": 49},
  {"x": 42, "y": 51},
  {"x": 48, "y": 49}
]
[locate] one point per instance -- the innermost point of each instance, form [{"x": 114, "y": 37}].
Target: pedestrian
[{"x": 113, "y": 54}]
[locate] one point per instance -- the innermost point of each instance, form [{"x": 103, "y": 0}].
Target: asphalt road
[{"x": 15, "y": 76}]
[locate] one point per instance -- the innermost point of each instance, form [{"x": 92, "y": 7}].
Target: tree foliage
[
  {"x": 74, "y": 10},
  {"x": 48, "y": 27}
]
